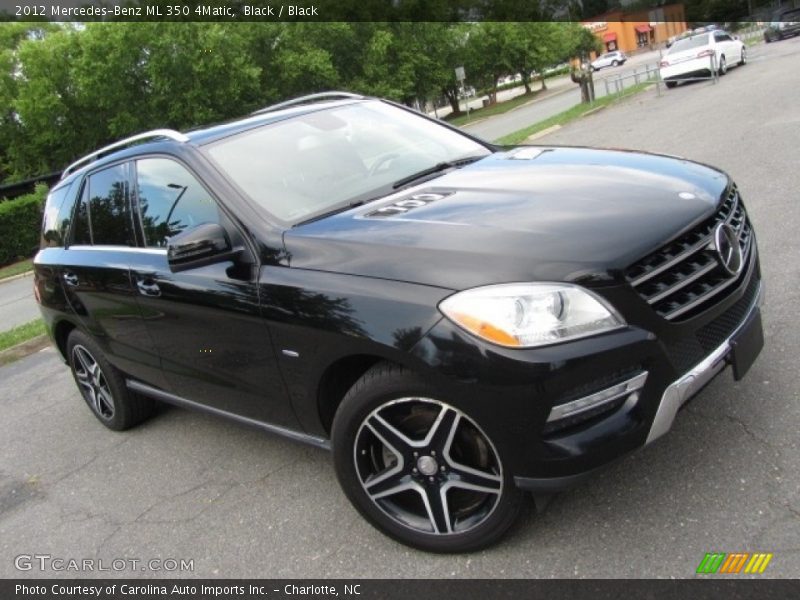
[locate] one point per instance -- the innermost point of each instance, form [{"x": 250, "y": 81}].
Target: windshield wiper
[
  {"x": 437, "y": 168},
  {"x": 331, "y": 212}
]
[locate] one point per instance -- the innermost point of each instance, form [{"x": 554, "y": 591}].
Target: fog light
[{"x": 595, "y": 403}]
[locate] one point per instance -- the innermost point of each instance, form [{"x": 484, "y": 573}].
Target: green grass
[
  {"x": 20, "y": 334},
  {"x": 571, "y": 114},
  {"x": 22, "y": 266}
]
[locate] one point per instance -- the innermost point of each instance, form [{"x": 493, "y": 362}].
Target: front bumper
[
  {"x": 681, "y": 390},
  {"x": 635, "y": 379},
  {"x": 674, "y": 397}
]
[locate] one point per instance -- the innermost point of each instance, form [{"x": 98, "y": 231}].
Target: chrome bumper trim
[
  {"x": 687, "y": 386},
  {"x": 576, "y": 407}
]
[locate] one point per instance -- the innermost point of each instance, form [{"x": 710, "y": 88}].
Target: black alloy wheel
[
  {"x": 103, "y": 387},
  {"x": 92, "y": 383},
  {"x": 419, "y": 468}
]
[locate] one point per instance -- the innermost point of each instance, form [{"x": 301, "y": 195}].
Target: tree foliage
[{"x": 67, "y": 89}]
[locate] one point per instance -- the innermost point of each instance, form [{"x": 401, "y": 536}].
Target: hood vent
[{"x": 401, "y": 207}]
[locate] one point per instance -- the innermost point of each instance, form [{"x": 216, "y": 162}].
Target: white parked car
[
  {"x": 692, "y": 56},
  {"x": 609, "y": 59}
]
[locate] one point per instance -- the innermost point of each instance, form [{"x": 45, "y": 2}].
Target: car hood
[{"x": 528, "y": 214}]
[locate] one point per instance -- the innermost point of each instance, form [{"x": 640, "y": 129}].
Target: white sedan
[{"x": 691, "y": 57}]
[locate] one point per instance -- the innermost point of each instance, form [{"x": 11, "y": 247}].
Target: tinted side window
[
  {"x": 109, "y": 215},
  {"x": 170, "y": 200},
  {"x": 81, "y": 232},
  {"x": 57, "y": 215}
]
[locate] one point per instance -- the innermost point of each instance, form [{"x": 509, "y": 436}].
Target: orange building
[{"x": 638, "y": 30}]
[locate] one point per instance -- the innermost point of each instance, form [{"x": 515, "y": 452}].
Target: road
[
  {"x": 241, "y": 503},
  {"x": 17, "y": 305},
  {"x": 539, "y": 110}
]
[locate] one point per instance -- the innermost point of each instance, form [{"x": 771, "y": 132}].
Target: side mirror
[{"x": 199, "y": 246}]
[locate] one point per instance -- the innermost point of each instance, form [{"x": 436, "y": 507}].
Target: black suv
[
  {"x": 457, "y": 322},
  {"x": 784, "y": 24}
]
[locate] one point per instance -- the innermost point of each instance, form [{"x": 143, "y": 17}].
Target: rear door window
[
  {"x": 103, "y": 215},
  {"x": 57, "y": 217}
]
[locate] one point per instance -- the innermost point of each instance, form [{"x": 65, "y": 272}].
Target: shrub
[{"x": 20, "y": 225}]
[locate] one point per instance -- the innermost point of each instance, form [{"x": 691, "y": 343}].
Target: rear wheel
[
  {"x": 671, "y": 84},
  {"x": 418, "y": 468},
  {"x": 102, "y": 386},
  {"x": 743, "y": 58},
  {"x": 614, "y": 63}
]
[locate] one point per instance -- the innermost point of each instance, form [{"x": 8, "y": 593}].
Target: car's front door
[{"x": 205, "y": 322}]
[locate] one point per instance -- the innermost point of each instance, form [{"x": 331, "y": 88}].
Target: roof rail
[
  {"x": 309, "y": 98},
  {"x": 155, "y": 133}
]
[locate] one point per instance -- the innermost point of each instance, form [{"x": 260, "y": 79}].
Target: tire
[
  {"x": 393, "y": 442},
  {"x": 102, "y": 386},
  {"x": 671, "y": 84},
  {"x": 743, "y": 58},
  {"x": 614, "y": 63},
  {"x": 723, "y": 66}
]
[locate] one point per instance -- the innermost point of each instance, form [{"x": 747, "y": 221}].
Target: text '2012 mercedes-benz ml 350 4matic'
[{"x": 459, "y": 323}]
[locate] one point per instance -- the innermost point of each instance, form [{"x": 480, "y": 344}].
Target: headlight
[{"x": 523, "y": 315}]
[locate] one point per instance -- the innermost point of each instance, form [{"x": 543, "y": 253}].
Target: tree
[
  {"x": 534, "y": 46},
  {"x": 11, "y": 36},
  {"x": 489, "y": 55}
]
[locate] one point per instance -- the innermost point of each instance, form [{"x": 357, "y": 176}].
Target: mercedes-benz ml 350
[{"x": 458, "y": 323}]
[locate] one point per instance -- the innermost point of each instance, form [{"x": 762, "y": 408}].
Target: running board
[{"x": 163, "y": 396}]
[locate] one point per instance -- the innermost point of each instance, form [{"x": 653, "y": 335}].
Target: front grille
[
  {"x": 717, "y": 331},
  {"x": 688, "y": 350},
  {"x": 685, "y": 277}
]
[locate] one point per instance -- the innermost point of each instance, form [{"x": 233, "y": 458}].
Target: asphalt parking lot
[{"x": 240, "y": 503}]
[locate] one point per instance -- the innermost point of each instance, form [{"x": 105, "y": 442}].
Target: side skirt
[{"x": 163, "y": 396}]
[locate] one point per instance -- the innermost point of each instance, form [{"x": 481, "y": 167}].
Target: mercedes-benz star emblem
[{"x": 729, "y": 253}]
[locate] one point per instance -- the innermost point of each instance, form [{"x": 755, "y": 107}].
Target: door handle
[
  {"x": 148, "y": 287},
  {"x": 70, "y": 278}
]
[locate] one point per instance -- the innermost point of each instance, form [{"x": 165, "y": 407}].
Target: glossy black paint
[
  {"x": 276, "y": 333},
  {"x": 569, "y": 214}
]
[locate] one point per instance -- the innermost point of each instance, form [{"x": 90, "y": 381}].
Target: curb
[
  {"x": 24, "y": 349},
  {"x": 542, "y": 133},
  {"x": 15, "y": 277},
  {"x": 593, "y": 110}
]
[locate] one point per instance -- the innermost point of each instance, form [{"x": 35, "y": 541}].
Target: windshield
[
  {"x": 313, "y": 164},
  {"x": 696, "y": 41}
]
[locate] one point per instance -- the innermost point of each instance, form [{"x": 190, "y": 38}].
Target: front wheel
[
  {"x": 418, "y": 468},
  {"x": 671, "y": 84}
]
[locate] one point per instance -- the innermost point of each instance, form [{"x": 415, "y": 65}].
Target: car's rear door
[
  {"x": 94, "y": 273},
  {"x": 727, "y": 46},
  {"x": 204, "y": 322}
]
